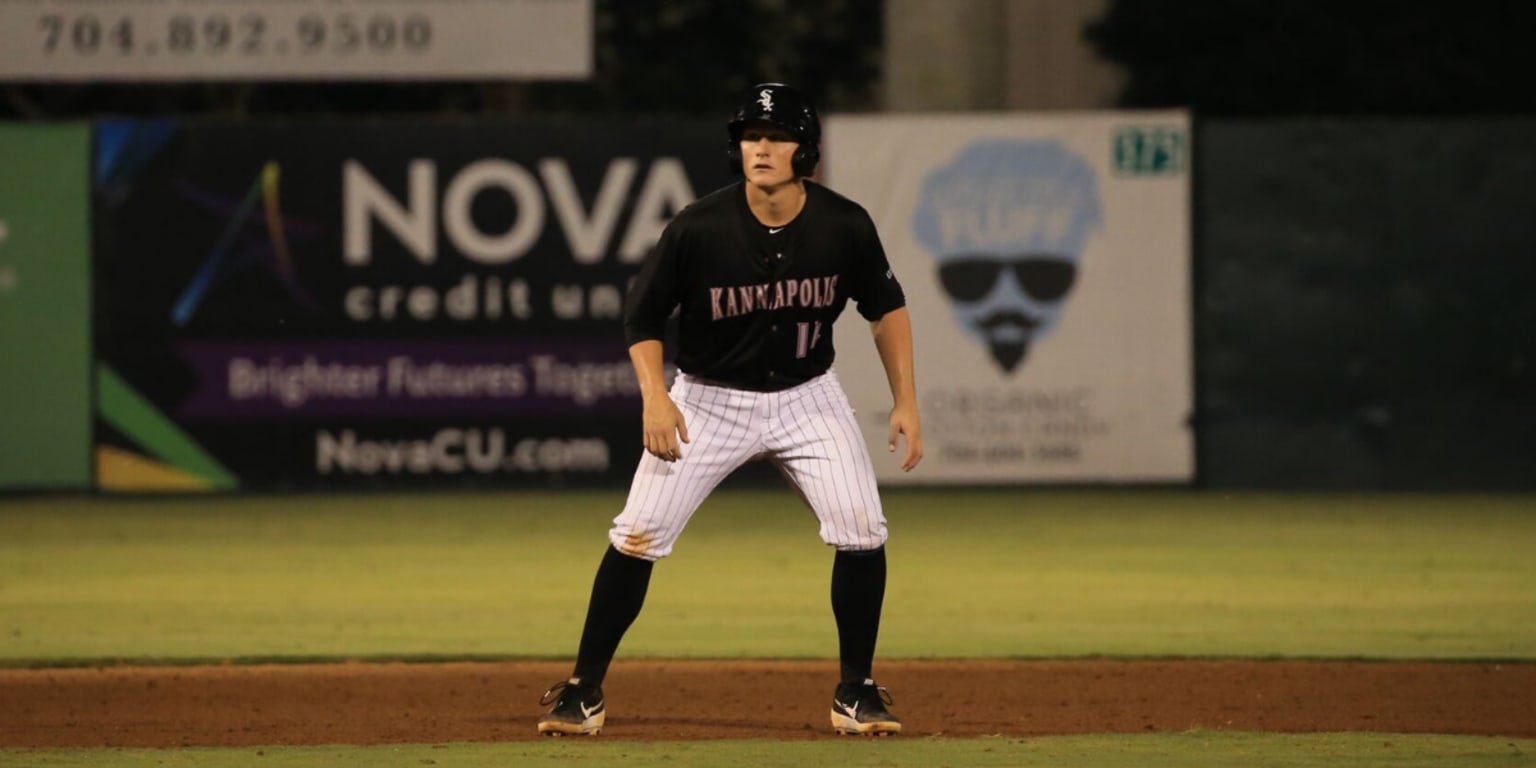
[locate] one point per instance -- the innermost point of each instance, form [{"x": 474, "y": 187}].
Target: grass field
[
  {"x": 1184, "y": 750},
  {"x": 973, "y": 574}
]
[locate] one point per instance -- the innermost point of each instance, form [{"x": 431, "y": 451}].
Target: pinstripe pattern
[{"x": 809, "y": 431}]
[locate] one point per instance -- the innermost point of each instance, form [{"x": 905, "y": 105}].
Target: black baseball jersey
[{"x": 757, "y": 304}]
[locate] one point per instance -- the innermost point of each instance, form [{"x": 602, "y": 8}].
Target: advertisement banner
[
  {"x": 314, "y": 305},
  {"x": 1046, "y": 261},
  {"x": 45, "y": 413}
]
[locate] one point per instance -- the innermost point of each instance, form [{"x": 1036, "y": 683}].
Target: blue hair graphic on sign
[{"x": 1007, "y": 221}]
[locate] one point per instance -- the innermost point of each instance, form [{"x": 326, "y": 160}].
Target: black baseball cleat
[
  {"x": 577, "y": 711},
  {"x": 860, "y": 709}
]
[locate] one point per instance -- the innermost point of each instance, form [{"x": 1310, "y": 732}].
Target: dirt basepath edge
[{"x": 360, "y": 703}]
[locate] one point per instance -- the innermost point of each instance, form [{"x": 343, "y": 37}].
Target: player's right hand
[{"x": 664, "y": 427}]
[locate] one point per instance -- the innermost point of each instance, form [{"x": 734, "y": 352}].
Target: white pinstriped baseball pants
[{"x": 809, "y": 431}]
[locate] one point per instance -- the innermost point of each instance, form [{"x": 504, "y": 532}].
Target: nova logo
[
  {"x": 426, "y": 210},
  {"x": 255, "y": 233}
]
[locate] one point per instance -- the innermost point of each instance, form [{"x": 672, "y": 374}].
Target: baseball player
[{"x": 757, "y": 271}]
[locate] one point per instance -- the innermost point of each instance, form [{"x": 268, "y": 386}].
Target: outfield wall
[
  {"x": 1364, "y": 315},
  {"x": 313, "y": 305}
]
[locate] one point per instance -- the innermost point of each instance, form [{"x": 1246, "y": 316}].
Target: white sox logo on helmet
[{"x": 765, "y": 98}]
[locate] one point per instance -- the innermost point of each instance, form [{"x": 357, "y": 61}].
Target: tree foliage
[{"x": 1277, "y": 57}]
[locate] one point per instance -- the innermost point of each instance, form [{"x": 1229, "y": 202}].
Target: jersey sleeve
[
  {"x": 878, "y": 290},
  {"x": 653, "y": 294}
]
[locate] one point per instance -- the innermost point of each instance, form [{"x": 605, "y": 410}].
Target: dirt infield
[{"x": 676, "y": 700}]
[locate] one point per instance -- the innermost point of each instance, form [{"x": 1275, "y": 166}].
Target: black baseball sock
[
  {"x": 858, "y": 590},
  {"x": 618, "y": 592}
]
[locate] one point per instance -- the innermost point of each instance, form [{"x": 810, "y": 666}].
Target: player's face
[{"x": 767, "y": 155}]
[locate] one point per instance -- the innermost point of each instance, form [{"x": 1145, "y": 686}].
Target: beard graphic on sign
[{"x": 1007, "y": 221}]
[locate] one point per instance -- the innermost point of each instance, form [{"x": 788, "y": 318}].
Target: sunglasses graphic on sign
[
  {"x": 1042, "y": 278},
  {"x": 1006, "y": 221}
]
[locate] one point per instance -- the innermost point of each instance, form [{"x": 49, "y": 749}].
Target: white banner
[
  {"x": 1046, "y": 261},
  {"x": 294, "y": 39}
]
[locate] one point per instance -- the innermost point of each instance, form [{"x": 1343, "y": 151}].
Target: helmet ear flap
[{"x": 805, "y": 159}]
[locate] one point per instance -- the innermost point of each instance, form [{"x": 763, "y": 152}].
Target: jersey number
[{"x": 806, "y": 338}]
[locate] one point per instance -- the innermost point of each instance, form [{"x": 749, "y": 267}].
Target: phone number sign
[{"x": 295, "y": 39}]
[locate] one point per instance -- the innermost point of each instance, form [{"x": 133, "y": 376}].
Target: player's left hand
[{"x": 904, "y": 421}]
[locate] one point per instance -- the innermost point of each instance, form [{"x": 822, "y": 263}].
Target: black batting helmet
[{"x": 780, "y": 105}]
